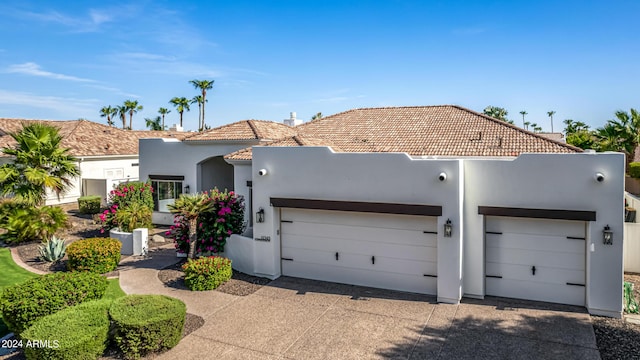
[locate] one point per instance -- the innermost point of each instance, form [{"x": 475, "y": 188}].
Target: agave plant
[{"x": 53, "y": 250}]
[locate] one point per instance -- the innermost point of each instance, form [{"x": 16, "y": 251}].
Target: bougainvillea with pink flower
[
  {"x": 214, "y": 227},
  {"x": 122, "y": 197}
]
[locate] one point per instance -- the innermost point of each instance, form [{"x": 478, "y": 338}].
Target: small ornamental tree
[
  {"x": 213, "y": 226},
  {"x": 127, "y": 197}
]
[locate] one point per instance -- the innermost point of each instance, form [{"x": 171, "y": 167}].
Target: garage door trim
[
  {"x": 358, "y": 206},
  {"x": 538, "y": 213}
]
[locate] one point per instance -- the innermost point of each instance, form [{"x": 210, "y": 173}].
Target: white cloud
[
  {"x": 113, "y": 90},
  {"x": 62, "y": 105},
  {"x": 33, "y": 69},
  {"x": 99, "y": 17}
]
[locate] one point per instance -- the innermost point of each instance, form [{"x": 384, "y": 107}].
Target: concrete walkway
[{"x": 303, "y": 319}]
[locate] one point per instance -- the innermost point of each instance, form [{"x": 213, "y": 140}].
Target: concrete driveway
[{"x": 304, "y": 319}]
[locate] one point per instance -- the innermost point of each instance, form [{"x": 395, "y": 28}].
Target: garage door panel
[
  {"x": 564, "y": 294},
  {"x": 394, "y": 281},
  {"x": 535, "y": 242},
  {"x": 535, "y": 226},
  {"x": 352, "y": 232},
  {"x": 575, "y": 261},
  {"x": 369, "y": 220},
  {"x": 544, "y": 274}
]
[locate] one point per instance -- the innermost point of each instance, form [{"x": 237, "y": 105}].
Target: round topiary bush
[
  {"x": 78, "y": 332},
  {"x": 207, "y": 273},
  {"x": 147, "y": 323},
  {"x": 97, "y": 255},
  {"x": 22, "y": 304}
]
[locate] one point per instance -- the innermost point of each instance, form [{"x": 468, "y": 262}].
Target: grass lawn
[{"x": 13, "y": 274}]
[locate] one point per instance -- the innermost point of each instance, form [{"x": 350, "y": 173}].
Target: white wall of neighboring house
[
  {"x": 174, "y": 157},
  {"x": 534, "y": 181}
]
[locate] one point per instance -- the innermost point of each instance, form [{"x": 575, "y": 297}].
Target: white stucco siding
[
  {"x": 552, "y": 181},
  {"x": 319, "y": 173}
]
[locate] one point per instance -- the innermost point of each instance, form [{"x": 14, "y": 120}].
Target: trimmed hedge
[
  {"x": 147, "y": 323},
  {"x": 89, "y": 204},
  {"x": 97, "y": 255},
  {"x": 634, "y": 170},
  {"x": 207, "y": 273},
  {"x": 78, "y": 332},
  {"x": 22, "y": 304}
]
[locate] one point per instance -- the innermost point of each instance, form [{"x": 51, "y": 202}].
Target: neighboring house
[
  {"x": 106, "y": 155},
  {"x": 432, "y": 199}
]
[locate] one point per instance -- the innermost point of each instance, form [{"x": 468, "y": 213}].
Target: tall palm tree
[
  {"x": 133, "y": 107},
  {"x": 609, "y": 137},
  {"x": 122, "y": 113},
  {"x": 181, "y": 104},
  {"x": 154, "y": 124},
  {"x": 39, "y": 164},
  {"x": 203, "y": 85},
  {"x": 550, "y": 113},
  {"x": 163, "y": 111},
  {"x": 526, "y": 125},
  {"x": 523, "y": 113},
  {"x": 535, "y": 127},
  {"x": 317, "y": 116},
  {"x": 190, "y": 206},
  {"x": 108, "y": 112},
  {"x": 198, "y": 100}
]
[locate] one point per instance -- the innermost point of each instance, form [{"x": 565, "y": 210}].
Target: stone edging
[{"x": 16, "y": 259}]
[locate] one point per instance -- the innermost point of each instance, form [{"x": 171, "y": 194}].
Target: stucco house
[
  {"x": 438, "y": 200},
  {"x": 106, "y": 155}
]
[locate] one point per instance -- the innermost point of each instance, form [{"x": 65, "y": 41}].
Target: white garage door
[
  {"x": 379, "y": 250},
  {"x": 536, "y": 259}
]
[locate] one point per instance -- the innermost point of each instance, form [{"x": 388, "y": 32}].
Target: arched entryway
[{"x": 215, "y": 172}]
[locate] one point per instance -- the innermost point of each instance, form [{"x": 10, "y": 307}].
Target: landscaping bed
[{"x": 240, "y": 284}]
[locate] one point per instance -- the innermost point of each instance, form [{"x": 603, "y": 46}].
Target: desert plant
[
  {"x": 147, "y": 323},
  {"x": 26, "y": 223},
  {"x": 53, "y": 250},
  {"x": 97, "y": 255},
  {"x": 89, "y": 204},
  {"x": 630, "y": 304},
  {"x": 22, "y": 304},
  {"x": 207, "y": 273},
  {"x": 134, "y": 216},
  {"x": 78, "y": 332}
]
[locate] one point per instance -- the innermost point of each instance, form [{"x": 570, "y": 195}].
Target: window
[{"x": 165, "y": 190}]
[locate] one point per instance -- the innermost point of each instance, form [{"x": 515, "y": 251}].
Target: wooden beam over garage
[
  {"x": 538, "y": 213},
  {"x": 370, "y": 207}
]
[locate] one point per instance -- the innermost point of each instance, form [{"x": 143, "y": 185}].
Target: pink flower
[
  {"x": 103, "y": 218},
  {"x": 101, "y": 231},
  {"x": 229, "y": 232}
]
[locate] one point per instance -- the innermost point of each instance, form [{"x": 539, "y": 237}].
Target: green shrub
[
  {"x": 22, "y": 304},
  {"x": 147, "y": 323},
  {"x": 134, "y": 216},
  {"x": 53, "y": 250},
  {"x": 89, "y": 204},
  {"x": 207, "y": 273},
  {"x": 25, "y": 223},
  {"x": 78, "y": 332},
  {"x": 634, "y": 170},
  {"x": 97, "y": 255},
  {"x": 137, "y": 194}
]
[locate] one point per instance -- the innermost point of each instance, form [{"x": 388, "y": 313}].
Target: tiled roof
[
  {"x": 245, "y": 130},
  {"x": 83, "y": 137},
  {"x": 446, "y": 130},
  {"x": 247, "y": 153}
]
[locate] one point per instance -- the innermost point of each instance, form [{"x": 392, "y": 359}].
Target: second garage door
[
  {"x": 535, "y": 259},
  {"x": 379, "y": 250}
]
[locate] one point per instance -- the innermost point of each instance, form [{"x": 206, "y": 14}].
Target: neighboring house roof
[
  {"x": 554, "y": 136},
  {"x": 246, "y": 153},
  {"x": 445, "y": 130},
  {"x": 245, "y": 130},
  {"x": 83, "y": 137}
]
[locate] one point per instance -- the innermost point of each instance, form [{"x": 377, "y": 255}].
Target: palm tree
[
  {"x": 154, "y": 124},
  {"x": 523, "y": 113},
  {"x": 550, "y": 113},
  {"x": 526, "y": 125},
  {"x": 203, "y": 85},
  {"x": 198, "y": 99},
  {"x": 317, "y": 116},
  {"x": 608, "y": 137},
  {"x": 108, "y": 112},
  {"x": 534, "y": 127},
  {"x": 133, "y": 108},
  {"x": 181, "y": 104},
  {"x": 122, "y": 113},
  {"x": 190, "y": 206},
  {"x": 497, "y": 113},
  {"x": 163, "y": 111},
  {"x": 39, "y": 164}
]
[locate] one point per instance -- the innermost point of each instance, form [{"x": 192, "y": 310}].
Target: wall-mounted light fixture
[
  {"x": 442, "y": 176},
  {"x": 599, "y": 177},
  {"x": 448, "y": 228},
  {"x": 187, "y": 189},
  {"x": 607, "y": 235},
  {"x": 260, "y": 216}
]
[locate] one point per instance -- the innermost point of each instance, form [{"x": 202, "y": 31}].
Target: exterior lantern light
[
  {"x": 607, "y": 235},
  {"x": 187, "y": 189},
  {"x": 447, "y": 228},
  {"x": 260, "y": 216}
]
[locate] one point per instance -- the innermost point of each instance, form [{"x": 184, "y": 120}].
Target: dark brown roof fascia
[
  {"x": 538, "y": 213},
  {"x": 370, "y": 207}
]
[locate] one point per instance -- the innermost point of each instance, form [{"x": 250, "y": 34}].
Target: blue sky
[{"x": 66, "y": 60}]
